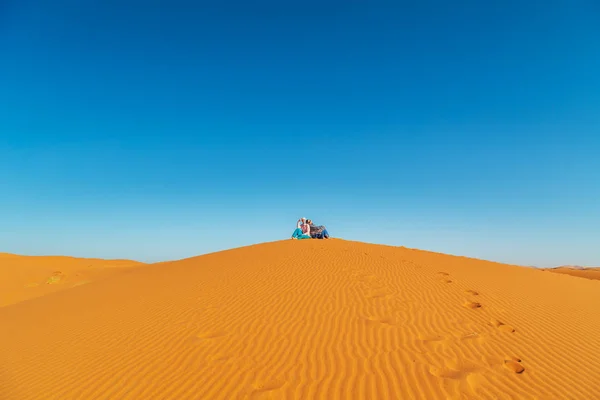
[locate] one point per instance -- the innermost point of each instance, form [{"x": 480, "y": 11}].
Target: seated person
[
  {"x": 317, "y": 232},
  {"x": 303, "y": 231}
]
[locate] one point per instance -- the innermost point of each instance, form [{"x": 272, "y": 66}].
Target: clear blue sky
[{"x": 162, "y": 130}]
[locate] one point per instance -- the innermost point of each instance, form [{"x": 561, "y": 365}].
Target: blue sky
[{"x": 162, "y": 130}]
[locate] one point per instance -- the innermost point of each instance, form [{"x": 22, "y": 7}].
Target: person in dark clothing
[{"x": 318, "y": 232}]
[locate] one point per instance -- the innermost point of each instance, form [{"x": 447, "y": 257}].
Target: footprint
[
  {"x": 513, "y": 365},
  {"x": 210, "y": 334},
  {"x": 56, "y": 277},
  {"x": 267, "y": 386},
  {"x": 507, "y": 328},
  {"x": 471, "y": 304},
  {"x": 502, "y": 326},
  {"x": 474, "y": 293},
  {"x": 472, "y": 335},
  {"x": 387, "y": 321},
  {"x": 446, "y": 281},
  {"x": 444, "y": 273},
  {"x": 434, "y": 343}
]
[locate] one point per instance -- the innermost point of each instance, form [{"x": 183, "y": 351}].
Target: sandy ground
[
  {"x": 589, "y": 273},
  {"x": 27, "y": 277},
  {"x": 313, "y": 319}
]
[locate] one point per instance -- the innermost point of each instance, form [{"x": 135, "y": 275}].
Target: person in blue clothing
[{"x": 302, "y": 230}]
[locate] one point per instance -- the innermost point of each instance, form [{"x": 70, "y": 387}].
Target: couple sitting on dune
[{"x": 306, "y": 230}]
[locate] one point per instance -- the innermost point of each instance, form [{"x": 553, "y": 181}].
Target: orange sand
[
  {"x": 308, "y": 319},
  {"x": 27, "y": 277},
  {"x": 589, "y": 273}
]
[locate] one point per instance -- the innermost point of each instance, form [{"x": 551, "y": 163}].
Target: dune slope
[
  {"x": 27, "y": 277},
  {"x": 309, "y": 319}
]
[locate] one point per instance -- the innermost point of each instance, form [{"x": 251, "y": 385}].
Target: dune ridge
[
  {"x": 581, "y": 272},
  {"x": 309, "y": 319}
]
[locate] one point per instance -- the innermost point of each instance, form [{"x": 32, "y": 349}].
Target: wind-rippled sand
[{"x": 313, "y": 319}]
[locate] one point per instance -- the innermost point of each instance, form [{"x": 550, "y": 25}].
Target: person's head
[{"x": 309, "y": 221}]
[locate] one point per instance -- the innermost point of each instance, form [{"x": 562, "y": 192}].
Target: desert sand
[
  {"x": 27, "y": 277},
  {"x": 588, "y": 273},
  {"x": 312, "y": 319}
]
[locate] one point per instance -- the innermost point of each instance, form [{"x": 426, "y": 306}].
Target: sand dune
[
  {"x": 27, "y": 277},
  {"x": 589, "y": 273},
  {"x": 309, "y": 319}
]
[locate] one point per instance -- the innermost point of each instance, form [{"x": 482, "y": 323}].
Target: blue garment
[
  {"x": 299, "y": 235},
  {"x": 321, "y": 235}
]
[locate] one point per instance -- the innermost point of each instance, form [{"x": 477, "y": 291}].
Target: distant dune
[
  {"x": 27, "y": 277},
  {"x": 313, "y": 319},
  {"x": 582, "y": 272}
]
